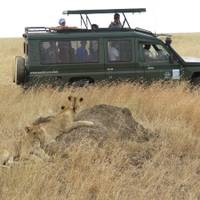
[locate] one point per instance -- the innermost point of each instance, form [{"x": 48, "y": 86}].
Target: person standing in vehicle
[
  {"x": 62, "y": 22},
  {"x": 81, "y": 52},
  {"x": 61, "y": 25},
  {"x": 94, "y": 27},
  {"x": 116, "y": 23}
]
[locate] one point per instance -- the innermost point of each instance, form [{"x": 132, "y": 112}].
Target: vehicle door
[
  {"x": 74, "y": 58},
  {"x": 157, "y": 62},
  {"x": 120, "y": 62}
]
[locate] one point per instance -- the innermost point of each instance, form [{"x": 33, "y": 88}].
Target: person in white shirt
[
  {"x": 113, "y": 52},
  {"x": 147, "y": 52}
]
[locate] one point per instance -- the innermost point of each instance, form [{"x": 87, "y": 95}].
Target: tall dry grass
[
  {"x": 166, "y": 167},
  {"x": 187, "y": 44},
  {"x": 9, "y": 48}
]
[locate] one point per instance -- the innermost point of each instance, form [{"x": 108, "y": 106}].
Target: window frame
[
  {"x": 141, "y": 57},
  {"x": 129, "y": 41}
]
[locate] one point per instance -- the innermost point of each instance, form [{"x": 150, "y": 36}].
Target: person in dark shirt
[
  {"x": 93, "y": 57},
  {"x": 66, "y": 52}
]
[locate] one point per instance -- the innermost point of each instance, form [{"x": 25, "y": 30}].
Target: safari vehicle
[{"x": 109, "y": 54}]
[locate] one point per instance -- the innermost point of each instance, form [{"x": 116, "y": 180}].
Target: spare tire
[{"x": 19, "y": 72}]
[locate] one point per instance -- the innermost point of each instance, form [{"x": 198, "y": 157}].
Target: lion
[
  {"x": 47, "y": 129},
  {"x": 26, "y": 147},
  {"x": 5, "y": 157},
  {"x": 44, "y": 131},
  {"x": 67, "y": 112}
]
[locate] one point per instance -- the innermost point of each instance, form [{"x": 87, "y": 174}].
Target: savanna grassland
[{"x": 165, "y": 167}]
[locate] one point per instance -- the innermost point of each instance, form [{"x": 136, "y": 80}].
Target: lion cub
[{"x": 26, "y": 147}]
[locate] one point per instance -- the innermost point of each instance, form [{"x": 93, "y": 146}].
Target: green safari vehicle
[{"x": 88, "y": 55}]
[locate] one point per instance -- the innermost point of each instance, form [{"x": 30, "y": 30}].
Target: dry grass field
[{"x": 165, "y": 167}]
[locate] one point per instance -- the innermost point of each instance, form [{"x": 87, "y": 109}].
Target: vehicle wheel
[
  {"x": 196, "y": 81},
  {"x": 19, "y": 73}
]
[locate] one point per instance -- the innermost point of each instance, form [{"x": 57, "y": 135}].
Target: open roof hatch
[{"x": 86, "y": 20}]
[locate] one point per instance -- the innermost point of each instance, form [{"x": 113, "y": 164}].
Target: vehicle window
[
  {"x": 76, "y": 51},
  {"x": 48, "y": 52},
  {"x": 153, "y": 53},
  {"x": 119, "y": 50},
  {"x": 86, "y": 50}
]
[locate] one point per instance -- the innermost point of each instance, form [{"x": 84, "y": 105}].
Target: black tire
[
  {"x": 196, "y": 81},
  {"x": 19, "y": 71}
]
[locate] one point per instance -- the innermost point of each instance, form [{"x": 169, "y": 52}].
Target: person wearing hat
[
  {"x": 61, "y": 22},
  {"x": 116, "y": 23}
]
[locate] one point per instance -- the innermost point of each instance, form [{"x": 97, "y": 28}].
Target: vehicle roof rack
[
  {"x": 29, "y": 30},
  {"x": 103, "y": 11},
  {"x": 37, "y": 29}
]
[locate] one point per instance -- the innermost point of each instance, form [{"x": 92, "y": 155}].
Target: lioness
[{"x": 47, "y": 129}]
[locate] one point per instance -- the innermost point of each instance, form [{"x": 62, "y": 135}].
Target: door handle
[
  {"x": 150, "y": 68},
  {"x": 110, "y": 69}
]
